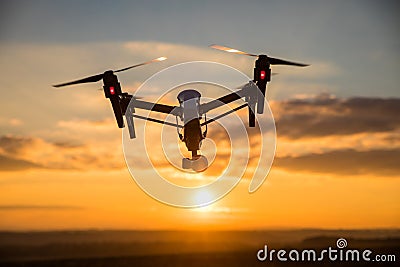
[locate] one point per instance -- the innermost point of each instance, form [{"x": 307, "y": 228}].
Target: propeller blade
[
  {"x": 277, "y": 61},
  {"x": 231, "y": 50},
  {"x": 272, "y": 60},
  {"x": 91, "y": 79},
  {"x": 141, "y": 64},
  {"x": 98, "y": 77}
]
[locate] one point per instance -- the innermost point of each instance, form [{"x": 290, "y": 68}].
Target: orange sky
[
  {"x": 62, "y": 165},
  {"x": 326, "y": 180}
]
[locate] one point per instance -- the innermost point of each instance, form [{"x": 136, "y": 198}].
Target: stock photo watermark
[{"x": 338, "y": 253}]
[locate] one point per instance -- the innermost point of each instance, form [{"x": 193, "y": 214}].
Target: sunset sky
[{"x": 337, "y": 159}]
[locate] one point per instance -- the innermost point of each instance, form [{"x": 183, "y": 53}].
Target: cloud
[
  {"x": 12, "y": 164},
  {"x": 360, "y": 142},
  {"x": 344, "y": 162},
  {"x": 101, "y": 126},
  {"x": 15, "y": 145},
  {"x": 325, "y": 115},
  {"x": 21, "y": 153},
  {"x": 315, "y": 133},
  {"x": 10, "y": 122}
]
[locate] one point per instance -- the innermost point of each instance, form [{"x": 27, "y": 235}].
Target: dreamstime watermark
[
  {"x": 144, "y": 155},
  {"x": 340, "y": 253}
]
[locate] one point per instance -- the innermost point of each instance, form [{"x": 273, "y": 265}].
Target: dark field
[{"x": 180, "y": 248}]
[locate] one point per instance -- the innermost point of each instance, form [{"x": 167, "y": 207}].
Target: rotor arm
[
  {"x": 176, "y": 111},
  {"x": 224, "y": 114},
  {"x": 129, "y": 111},
  {"x": 157, "y": 121},
  {"x": 204, "y": 108}
]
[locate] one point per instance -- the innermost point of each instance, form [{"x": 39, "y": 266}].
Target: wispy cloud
[
  {"x": 12, "y": 164},
  {"x": 20, "y": 153},
  {"x": 323, "y": 116},
  {"x": 10, "y": 122},
  {"x": 344, "y": 162}
]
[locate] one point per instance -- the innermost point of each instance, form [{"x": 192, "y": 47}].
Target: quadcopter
[{"x": 190, "y": 110}]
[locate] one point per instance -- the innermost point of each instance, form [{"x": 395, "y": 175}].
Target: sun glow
[{"x": 204, "y": 196}]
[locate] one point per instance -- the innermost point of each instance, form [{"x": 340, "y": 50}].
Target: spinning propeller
[
  {"x": 271, "y": 60},
  {"x": 98, "y": 77},
  {"x": 262, "y": 74},
  {"x": 112, "y": 90}
]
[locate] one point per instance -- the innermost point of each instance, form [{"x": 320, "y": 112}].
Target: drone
[{"x": 190, "y": 110}]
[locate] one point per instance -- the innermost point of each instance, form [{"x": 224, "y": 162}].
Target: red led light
[
  {"x": 112, "y": 91},
  {"x": 262, "y": 75}
]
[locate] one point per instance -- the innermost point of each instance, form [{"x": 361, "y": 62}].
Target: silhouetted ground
[{"x": 176, "y": 248}]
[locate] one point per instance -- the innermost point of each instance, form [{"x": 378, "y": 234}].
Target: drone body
[{"x": 190, "y": 111}]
